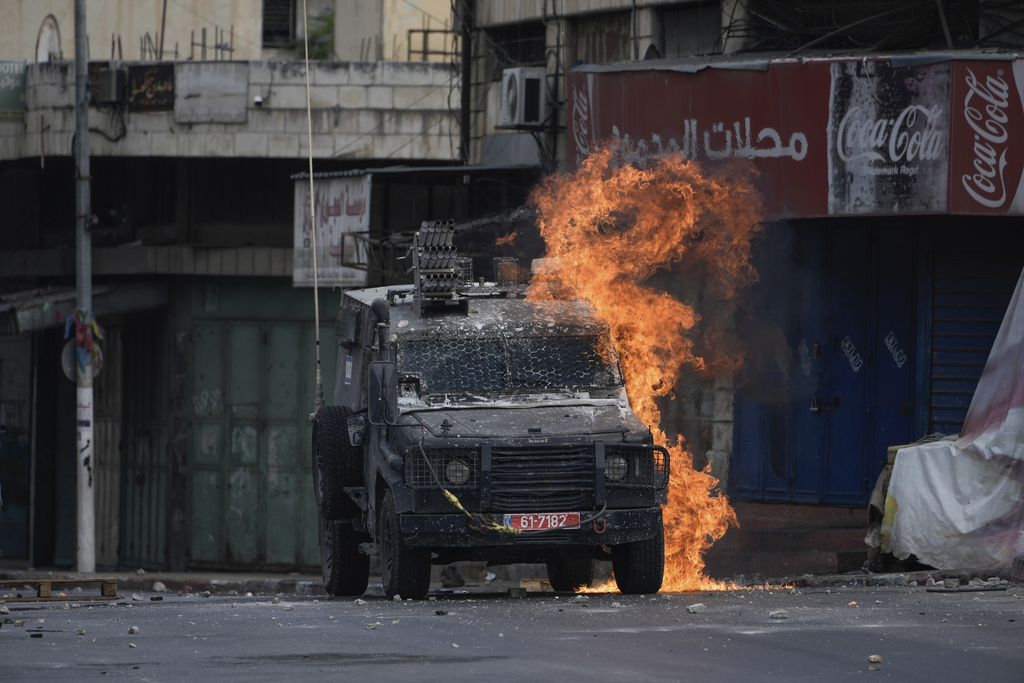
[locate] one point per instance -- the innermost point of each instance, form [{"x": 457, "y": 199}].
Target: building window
[
  {"x": 692, "y": 30},
  {"x": 516, "y": 45},
  {"x": 278, "y": 22}
]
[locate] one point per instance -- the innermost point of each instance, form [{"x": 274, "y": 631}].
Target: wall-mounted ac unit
[
  {"x": 522, "y": 97},
  {"x": 112, "y": 86}
]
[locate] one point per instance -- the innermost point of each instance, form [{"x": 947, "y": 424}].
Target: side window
[{"x": 278, "y": 22}]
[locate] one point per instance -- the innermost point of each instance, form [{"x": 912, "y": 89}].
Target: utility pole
[{"x": 86, "y": 546}]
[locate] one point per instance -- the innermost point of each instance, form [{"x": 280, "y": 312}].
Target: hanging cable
[{"x": 318, "y": 400}]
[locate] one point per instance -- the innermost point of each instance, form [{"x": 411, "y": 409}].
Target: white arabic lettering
[
  {"x": 850, "y": 351},
  {"x": 989, "y": 133},
  {"x": 894, "y": 349}
]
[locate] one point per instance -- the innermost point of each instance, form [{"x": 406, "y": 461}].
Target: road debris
[
  {"x": 696, "y": 608},
  {"x": 779, "y": 614},
  {"x": 875, "y": 659},
  {"x": 133, "y": 630}
]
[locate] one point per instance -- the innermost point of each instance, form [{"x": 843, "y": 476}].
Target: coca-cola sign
[
  {"x": 888, "y": 138},
  {"x": 986, "y": 160}
]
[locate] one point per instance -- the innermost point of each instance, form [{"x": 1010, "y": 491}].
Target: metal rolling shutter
[{"x": 968, "y": 300}]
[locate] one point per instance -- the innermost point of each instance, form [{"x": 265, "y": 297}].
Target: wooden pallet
[{"x": 45, "y": 589}]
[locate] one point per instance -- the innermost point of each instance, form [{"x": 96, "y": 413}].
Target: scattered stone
[
  {"x": 79, "y": 631},
  {"x": 370, "y": 627},
  {"x": 875, "y": 659},
  {"x": 914, "y": 584},
  {"x": 930, "y": 582},
  {"x": 581, "y": 598},
  {"x": 360, "y": 602},
  {"x": 4, "y": 609},
  {"x": 206, "y": 594},
  {"x": 993, "y": 581},
  {"x": 397, "y": 598},
  {"x": 874, "y": 667},
  {"x": 501, "y": 635},
  {"x": 275, "y": 601},
  {"x": 19, "y": 623},
  {"x": 140, "y": 571},
  {"x": 778, "y": 614},
  {"x": 159, "y": 587},
  {"x": 951, "y": 583},
  {"x": 455, "y": 644},
  {"x": 696, "y": 608},
  {"x": 976, "y": 583},
  {"x": 133, "y": 630},
  {"x": 131, "y": 644},
  {"x": 137, "y": 597},
  {"x": 616, "y": 604}
]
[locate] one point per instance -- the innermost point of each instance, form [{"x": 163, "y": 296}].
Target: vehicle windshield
[{"x": 471, "y": 364}]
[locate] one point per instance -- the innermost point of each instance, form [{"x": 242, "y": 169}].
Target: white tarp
[{"x": 959, "y": 502}]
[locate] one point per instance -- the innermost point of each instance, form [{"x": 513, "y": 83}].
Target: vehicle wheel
[
  {"x": 346, "y": 571},
  {"x": 639, "y": 567},
  {"x": 569, "y": 574},
  {"x": 404, "y": 570},
  {"x": 336, "y": 463}
]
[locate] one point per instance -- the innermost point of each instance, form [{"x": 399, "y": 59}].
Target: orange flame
[{"x": 614, "y": 228}]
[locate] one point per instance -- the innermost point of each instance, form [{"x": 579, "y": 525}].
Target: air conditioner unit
[
  {"x": 522, "y": 97},
  {"x": 112, "y": 86}
]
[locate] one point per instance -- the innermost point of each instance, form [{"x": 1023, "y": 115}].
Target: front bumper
[{"x": 612, "y": 527}]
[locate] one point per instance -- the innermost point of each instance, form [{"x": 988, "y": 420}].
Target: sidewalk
[{"x": 295, "y": 584}]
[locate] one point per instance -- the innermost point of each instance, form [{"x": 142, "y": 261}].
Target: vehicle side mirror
[{"x": 382, "y": 393}]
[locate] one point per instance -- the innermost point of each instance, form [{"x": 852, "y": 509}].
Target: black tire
[
  {"x": 639, "y": 567},
  {"x": 336, "y": 463},
  {"x": 569, "y": 574},
  {"x": 346, "y": 571},
  {"x": 404, "y": 570}
]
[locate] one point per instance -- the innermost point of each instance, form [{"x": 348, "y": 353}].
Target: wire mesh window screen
[{"x": 488, "y": 364}]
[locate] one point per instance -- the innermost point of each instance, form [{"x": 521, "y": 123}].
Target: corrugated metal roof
[{"x": 762, "y": 62}]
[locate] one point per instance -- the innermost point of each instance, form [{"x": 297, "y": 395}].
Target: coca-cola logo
[
  {"x": 991, "y": 140},
  {"x": 902, "y": 138},
  {"x": 580, "y": 121}
]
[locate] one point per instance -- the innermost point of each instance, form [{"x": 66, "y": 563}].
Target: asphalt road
[{"x": 808, "y": 634}]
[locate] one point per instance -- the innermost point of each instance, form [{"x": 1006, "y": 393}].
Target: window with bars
[{"x": 278, "y": 22}]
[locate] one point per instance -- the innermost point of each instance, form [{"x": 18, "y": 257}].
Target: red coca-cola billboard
[
  {"x": 775, "y": 118},
  {"x": 987, "y": 157},
  {"x": 829, "y": 137}
]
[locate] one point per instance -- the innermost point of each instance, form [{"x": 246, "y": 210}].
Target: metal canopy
[{"x": 40, "y": 309}]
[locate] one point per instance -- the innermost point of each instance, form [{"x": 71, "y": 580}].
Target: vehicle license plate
[{"x": 543, "y": 520}]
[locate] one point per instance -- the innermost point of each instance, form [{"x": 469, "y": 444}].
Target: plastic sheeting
[{"x": 959, "y": 502}]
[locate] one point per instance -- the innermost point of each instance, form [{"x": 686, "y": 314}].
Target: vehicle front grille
[{"x": 556, "y": 478}]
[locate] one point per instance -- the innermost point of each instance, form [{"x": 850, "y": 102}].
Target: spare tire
[{"x": 336, "y": 463}]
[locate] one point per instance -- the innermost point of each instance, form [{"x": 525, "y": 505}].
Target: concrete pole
[{"x": 86, "y": 546}]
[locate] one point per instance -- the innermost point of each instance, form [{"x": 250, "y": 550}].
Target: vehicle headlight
[
  {"x": 615, "y": 468},
  {"x": 457, "y": 472}
]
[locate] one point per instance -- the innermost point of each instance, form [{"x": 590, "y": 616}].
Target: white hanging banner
[{"x": 342, "y": 214}]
